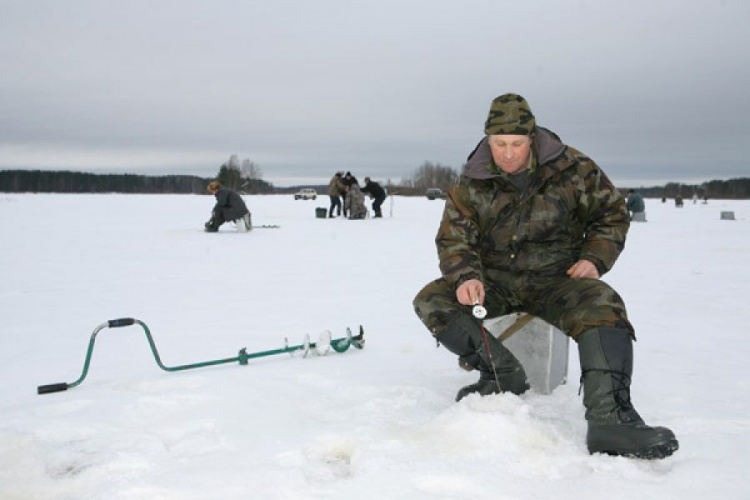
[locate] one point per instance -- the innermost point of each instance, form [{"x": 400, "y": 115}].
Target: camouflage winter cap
[{"x": 510, "y": 114}]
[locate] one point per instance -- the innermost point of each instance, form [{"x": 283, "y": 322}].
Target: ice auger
[{"x": 324, "y": 344}]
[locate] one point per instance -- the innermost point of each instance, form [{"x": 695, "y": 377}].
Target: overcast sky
[{"x": 652, "y": 90}]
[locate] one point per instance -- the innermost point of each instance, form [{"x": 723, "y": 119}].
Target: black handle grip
[
  {"x": 46, "y": 389},
  {"x": 115, "y": 323}
]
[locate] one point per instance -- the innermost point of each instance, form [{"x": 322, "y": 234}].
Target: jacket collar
[{"x": 547, "y": 148}]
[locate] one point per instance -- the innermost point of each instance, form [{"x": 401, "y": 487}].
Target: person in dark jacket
[
  {"x": 377, "y": 193},
  {"x": 635, "y": 203},
  {"x": 530, "y": 227},
  {"x": 349, "y": 179},
  {"x": 229, "y": 207}
]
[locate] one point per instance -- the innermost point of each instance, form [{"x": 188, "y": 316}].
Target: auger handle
[
  {"x": 46, "y": 389},
  {"x": 116, "y": 323},
  {"x": 62, "y": 386}
]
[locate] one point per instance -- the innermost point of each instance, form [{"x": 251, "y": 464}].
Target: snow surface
[{"x": 379, "y": 423}]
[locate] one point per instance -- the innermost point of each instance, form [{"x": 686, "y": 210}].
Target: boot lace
[{"x": 620, "y": 390}]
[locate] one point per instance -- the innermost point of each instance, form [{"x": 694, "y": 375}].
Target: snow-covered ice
[{"x": 379, "y": 423}]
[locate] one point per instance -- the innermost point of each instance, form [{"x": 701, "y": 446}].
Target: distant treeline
[
  {"x": 46, "y": 181},
  {"x": 55, "y": 181},
  {"x": 736, "y": 189}
]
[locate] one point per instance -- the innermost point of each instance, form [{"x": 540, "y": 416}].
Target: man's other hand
[{"x": 583, "y": 269}]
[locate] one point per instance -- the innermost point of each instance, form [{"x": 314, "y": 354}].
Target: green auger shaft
[{"x": 338, "y": 345}]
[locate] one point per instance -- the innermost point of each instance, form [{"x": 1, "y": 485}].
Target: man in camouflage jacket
[
  {"x": 355, "y": 202},
  {"x": 336, "y": 191},
  {"x": 531, "y": 226}
]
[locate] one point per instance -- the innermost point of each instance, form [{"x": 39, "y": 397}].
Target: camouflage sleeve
[
  {"x": 605, "y": 217},
  {"x": 457, "y": 239}
]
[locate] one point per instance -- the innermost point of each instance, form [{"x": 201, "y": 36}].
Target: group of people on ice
[
  {"x": 231, "y": 207},
  {"x": 346, "y": 187}
]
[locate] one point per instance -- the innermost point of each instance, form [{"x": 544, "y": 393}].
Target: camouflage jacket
[
  {"x": 355, "y": 203},
  {"x": 569, "y": 211},
  {"x": 336, "y": 186}
]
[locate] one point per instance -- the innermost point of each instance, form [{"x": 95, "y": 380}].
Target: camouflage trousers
[{"x": 572, "y": 305}]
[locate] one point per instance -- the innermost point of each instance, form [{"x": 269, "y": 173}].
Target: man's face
[{"x": 510, "y": 152}]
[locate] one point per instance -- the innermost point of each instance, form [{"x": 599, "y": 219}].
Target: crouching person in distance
[
  {"x": 229, "y": 207},
  {"x": 377, "y": 193},
  {"x": 355, "y": 202},
  {"x": 531, "y": 226}
]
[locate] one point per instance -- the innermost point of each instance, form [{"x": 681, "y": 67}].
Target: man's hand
[
  {"x": 470, "y": 292},
  {"x": 583, "y": 269}
]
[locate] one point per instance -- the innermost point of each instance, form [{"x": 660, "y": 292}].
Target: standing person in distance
[
  {"x": 336, "y": 191},
  {"x": 376, "y": 192},
  {"x": 530, "y": 227},
  {"x": 635, "y": 203},
  {"x": 349, "y": 179}
]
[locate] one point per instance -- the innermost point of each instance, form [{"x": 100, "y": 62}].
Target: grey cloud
[{"x": 648, "y": 89}]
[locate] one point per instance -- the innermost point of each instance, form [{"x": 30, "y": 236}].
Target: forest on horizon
[{"x": 63, "y": 181}]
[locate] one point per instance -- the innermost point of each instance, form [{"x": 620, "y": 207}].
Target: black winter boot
[
  {"x": 485, "y": 386},
  {"x": 211, "y": 226},
  {"x": 614, "y": 427},
  {"x": 463, "y": 337}
]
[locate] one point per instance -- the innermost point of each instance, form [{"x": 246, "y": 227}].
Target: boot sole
[{"x": 655, "y": 452}]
